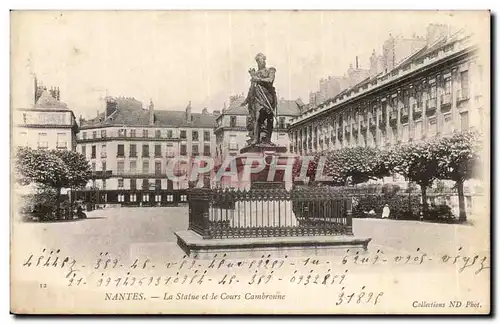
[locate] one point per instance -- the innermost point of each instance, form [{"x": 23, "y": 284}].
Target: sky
[{"x": 173, "y": 57}]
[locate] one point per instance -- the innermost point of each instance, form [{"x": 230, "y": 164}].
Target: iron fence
[{"x": 308, "y": 211}]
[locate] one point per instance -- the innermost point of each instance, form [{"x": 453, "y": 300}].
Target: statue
[{"x": 262, "y": 102}]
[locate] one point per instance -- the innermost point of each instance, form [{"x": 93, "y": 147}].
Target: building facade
[
  {"x": 130, "y": 150},
  {"x": 432, "y": 93},
  {"x": 232, "y": 133},
  {"x": 48, "y": 124}
]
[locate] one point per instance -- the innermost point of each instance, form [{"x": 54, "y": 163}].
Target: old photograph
[{"x": 250, "y": 162}]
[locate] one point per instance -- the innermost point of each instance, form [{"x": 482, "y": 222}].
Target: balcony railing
[
  {"x": 102, "y": 174},
  {"x": 445, "y": 99},
  {"x": 103, "y": 154},
  {"x": 431, "y": 106}
]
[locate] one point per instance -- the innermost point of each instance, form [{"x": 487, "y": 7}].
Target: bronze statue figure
[{"x": 262, "y": 102}]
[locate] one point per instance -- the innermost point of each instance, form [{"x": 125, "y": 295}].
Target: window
[
  {"x": 170, "y": 150},
  {"x": 157, "y": 150},
  {"x": 120, "y": 167},
  {"x": 145, "y": 150},
  {"x": 195, "y": 150},
  {"x": 158, "y": 133},
  {"x": 206, "y": 150},
  {"x": 145, "y": 197},
  {"x": 133, "y": 184},
  {"x": 447, "y": 85},
  {"x": 464, "y": 120},
  {"x": 84, "y": 135},
  {"x": 93, "y": 166},
  {"x": 170, "y": 185},
  {"x": 432, "y": 127},
  {"x": 61, "y": 140},
  {"x": 145, "y": 184},
  {"x": 183, "y": 134},
  {"x": 195, "y": 135},
  {"x": 133, "y": 197},
  {"x": 433, "y": 91},
  {"x": 145, "y": 133},
  {"x": 232, "y": 142},
  {"x": 282, "y": 122},
  {"x": 94, "y": 134},
  {"x": 122, "y": 132},
  {"x": 232, "y": 121},
  {"x": 169, "y": 133},
  {"x": 121, "y": 150},
  {"x": 404, "y": 134},
  {"x": 158, "y": 184},
  {"x": 120, "y": 183},
  {"x": 42, "y": 140},
  {"x": 157, "y": 167},
  {"x": 145, "y": 166},
  {"x": 157, "y": 198},
  {"x": 103, "y": 133},
  {"x": 133, "y": 150},
  {"x": 170, "y": 198},
  {"x": 121, "y": 197},
  {"x": 103, "y": 150},
  {"x": 133, "y": 166},
  {"x": 103, "y": 165},
  {"x": 183, "y": 149},
  {"x": 84, "y": 150},
  {"x": 93, "y": 154},
  {"x": 464, "y": 79},
  {"x": 132, "y": 133},
  {"x": 447, "y": 124},
  {"x": 206, "y": 136},
  {"x": 418, "y": 129},
  {"x": 183, "y": 198}
]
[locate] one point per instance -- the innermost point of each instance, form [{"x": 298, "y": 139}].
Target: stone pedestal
[{"x": 272, "y": 159}]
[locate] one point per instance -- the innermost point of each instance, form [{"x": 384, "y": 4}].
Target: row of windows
[
  {"x": 392, "y": 136},
  {"x": 145, "y": 150},
  {"x": 145, "y": 198},
  {"x": 61, "y": 140},
  {"x": 233, "y": 122},
  {"x": 145, "y": 134}
]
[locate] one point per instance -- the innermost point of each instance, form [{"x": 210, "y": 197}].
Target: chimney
[
  {"x": 151, "y": 112},
  {"x": 357, "y": 66},
  {"x": 188, "y": 112},
  {"x": 81, "y": 120},
  {"x": 205, "y": 111}
]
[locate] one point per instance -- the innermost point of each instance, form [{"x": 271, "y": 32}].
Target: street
[{"x": 127, "y": 231}]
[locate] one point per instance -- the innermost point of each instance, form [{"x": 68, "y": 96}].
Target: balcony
[
  {"x": 170, "y": 154},
  {"x": 62, "y": 145},
  {"x": 347, "y": 129},
  {"x": 446, "y": 99},
  {"x": 120, "y": 155},
  {"x": 372, "y": 122},
  {"x": 363, "y": 125},
  {"x": 430, "y": 108},
  {"x": 145, "y": 155},
  {"x": 133, "y": 154},
  {"x": 462, "y": 94},
  {"x": 103, "y": 154},
  {"x": 404, "y": 114},
  {"x": 157, "y": 154},
  {"x": 393, "y": 115}
]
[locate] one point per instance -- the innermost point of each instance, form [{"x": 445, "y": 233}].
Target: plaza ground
[{"x": 127, "y": 231}]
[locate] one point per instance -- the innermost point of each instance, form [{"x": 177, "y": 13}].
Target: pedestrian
[{"x": 386, "y": 211}]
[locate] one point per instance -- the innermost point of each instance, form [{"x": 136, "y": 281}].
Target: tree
[
  {"x": 458, "y": 158},
  {"x": 52, "y": 169},
  {"x": 418, "y": 162},
  {"x": 351, "y": 164}
]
